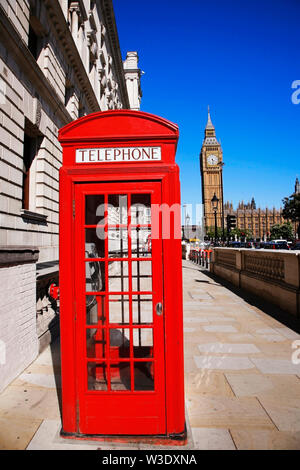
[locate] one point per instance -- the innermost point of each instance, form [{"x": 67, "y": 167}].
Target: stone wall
[
  {"x": 272, "y": 275},
  {"x": 66, "y": 76},
  {"x": 59, "y": 60}
]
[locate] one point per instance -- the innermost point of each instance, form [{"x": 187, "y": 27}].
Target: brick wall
[{"x": 18, "y": 333}]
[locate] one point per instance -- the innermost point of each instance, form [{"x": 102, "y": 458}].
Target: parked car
[
  {"x": 247, "y": 245},
  {"x": 234, "y": 244},
  {"x": 283, "y": 246},
  {"x": 277, "y": 245},
  {"x": 296, "y": 246},
  {"x": 259, "y": 245},
  {"x": 269, "y": 246}
]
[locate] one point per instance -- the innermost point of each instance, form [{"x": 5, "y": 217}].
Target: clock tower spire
[
  {"x": 209, "y": 125},
  {"x": 211, "y": 167}
]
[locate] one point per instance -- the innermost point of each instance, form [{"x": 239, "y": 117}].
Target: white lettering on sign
[{"x": 120, "y": 154}]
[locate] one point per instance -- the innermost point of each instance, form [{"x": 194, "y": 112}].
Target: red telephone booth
[{"x": 120, "y": 278}]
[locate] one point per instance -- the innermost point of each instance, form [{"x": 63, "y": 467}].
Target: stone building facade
[{"x": 59, "y": 60}]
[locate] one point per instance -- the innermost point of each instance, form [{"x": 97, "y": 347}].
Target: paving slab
[
  {"x": 207, "y": 383},
  {"x": 227, "y": 413},
  {"x": 259, "y": 385},
  {"x": 285, "y": 413},
  {"x": 242, "y": 388},
  {"x": 213, "y": 439},
  {"x": 265, "y": 439},
  {"x": 16, "y": 431},
  {"x": 228, "y": 348},
  {"x": 223, "y": 362},
  {"x": 276, "y": 366},
  {"x": 220, "y": 329}
]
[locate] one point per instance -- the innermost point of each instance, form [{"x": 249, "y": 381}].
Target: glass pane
[
  {"x": 118, "y": 276},
  {"x": 143, "y": 342},
  {"x": 95, "y": 242},
  {"x": 119, "y": 343},
  {"x": 94, "y": 209},
  {"x": 96, "y": 343},
  {"x": 95, "y": 276},
  {"x": 140, "y": 209},
  {"x": 143, "y": 376},
  {"x": 97, "y": 376},
  {"x": 120, "y": 376},
  {"x": 117, "y": 209},
  {"x": 141, "y": 275},
  {"x": 95, "y": 310},
  {"x": 118, "y": 309},
  {"x": 141, "y": 242},
  {"x": 117, "y": 242},
  {"x": 142, "y": 309}
]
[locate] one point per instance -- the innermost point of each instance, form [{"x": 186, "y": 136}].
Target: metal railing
[{"x": 200, "y": 257}]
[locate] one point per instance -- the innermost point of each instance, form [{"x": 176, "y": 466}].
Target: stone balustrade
[{"x": 272, "y": 275}]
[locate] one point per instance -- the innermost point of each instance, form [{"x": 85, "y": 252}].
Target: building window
[
  {"x": 27, "y": 160},
  {"x": 81, "y": 110},
  {"x": 35, "y": 35},
  {"x": 69, "y": 90},
  {"x": 33, "y": 42},
  {"x": 32, "y": 143}
]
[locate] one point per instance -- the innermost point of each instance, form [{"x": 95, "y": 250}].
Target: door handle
[{"x": 159, "y": 308}]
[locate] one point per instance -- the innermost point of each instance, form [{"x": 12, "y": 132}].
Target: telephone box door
[{"x": 119, "y": 318}]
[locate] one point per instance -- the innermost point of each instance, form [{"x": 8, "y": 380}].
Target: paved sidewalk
[{"x": 242, "y": 388}]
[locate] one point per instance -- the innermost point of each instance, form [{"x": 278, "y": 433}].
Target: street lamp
[
  {"x": 187, "y": 221},
  {"x": 214, "y": 203}
]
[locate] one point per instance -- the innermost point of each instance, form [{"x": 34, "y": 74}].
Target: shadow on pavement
[
  {"x": 55, "y": 354},
  {"x": 267, "y": 307}
]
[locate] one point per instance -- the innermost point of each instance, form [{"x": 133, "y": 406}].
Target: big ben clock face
[{"x": 212, "y": 160}]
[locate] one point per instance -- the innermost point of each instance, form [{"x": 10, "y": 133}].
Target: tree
[
  {"x": 284, "y": 231},
  {"x": 241, "y": 233},
  {"x": 210, "y": 232},
  {"x": 291, "y": 210}
]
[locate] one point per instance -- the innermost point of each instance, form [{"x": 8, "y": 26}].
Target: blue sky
[{"x": 239, "y": 57}]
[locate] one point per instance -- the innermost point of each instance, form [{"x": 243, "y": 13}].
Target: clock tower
[{"x": 211, "y": 167}]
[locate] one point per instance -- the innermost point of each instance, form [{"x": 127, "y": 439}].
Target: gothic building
[
  {"x": 257, "y": 221},
  {"x": 59, "y": 60}
]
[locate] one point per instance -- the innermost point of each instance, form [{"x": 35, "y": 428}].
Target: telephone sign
[{"x": 121, "y": 154}]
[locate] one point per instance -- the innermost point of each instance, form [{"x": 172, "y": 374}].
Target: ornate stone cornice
[
  {"x": 15, "y": 254},
  {"x": 112, "y": 35},
  {"x": 14, "y": 44},
  {"x": 68, "y": 45}
]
